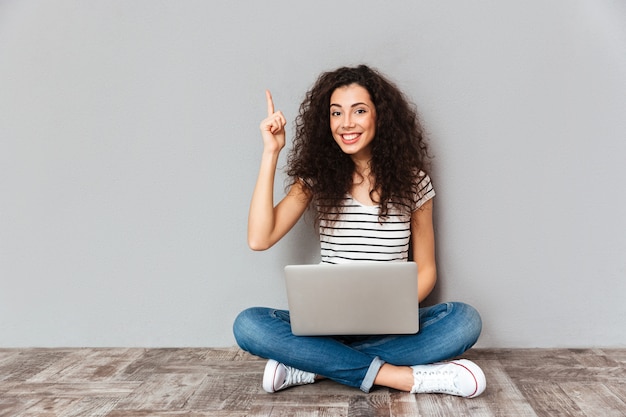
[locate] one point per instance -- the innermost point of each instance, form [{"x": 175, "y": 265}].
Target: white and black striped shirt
[{"x": 358, "y": 234}]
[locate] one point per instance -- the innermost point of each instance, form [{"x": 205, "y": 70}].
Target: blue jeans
[{"x": 446, "y": 330}]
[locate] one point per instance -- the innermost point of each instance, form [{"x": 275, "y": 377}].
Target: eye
[
  {"x": 360, "y": 111},
  {"x": 335, "y": 113}
]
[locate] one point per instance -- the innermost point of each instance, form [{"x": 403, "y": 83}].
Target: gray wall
[{"x": 129, "y": 147}]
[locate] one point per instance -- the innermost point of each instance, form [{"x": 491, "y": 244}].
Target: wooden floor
[{"x": 227, "y": 382}]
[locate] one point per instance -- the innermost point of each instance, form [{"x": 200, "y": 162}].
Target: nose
[{"x": 347, "y": 121}]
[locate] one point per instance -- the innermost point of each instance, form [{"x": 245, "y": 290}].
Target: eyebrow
[{"x": 352, "y": 106}]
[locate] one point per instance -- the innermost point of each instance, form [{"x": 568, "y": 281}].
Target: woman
[{"x": 359, "y": 157}]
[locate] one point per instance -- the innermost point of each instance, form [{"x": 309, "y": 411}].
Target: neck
[
  {"x": 362, "y": 174},
  {"x": 362, "y": 165}
]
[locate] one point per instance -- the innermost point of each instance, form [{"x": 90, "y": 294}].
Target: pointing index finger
[{"x": 270, "y": 103}]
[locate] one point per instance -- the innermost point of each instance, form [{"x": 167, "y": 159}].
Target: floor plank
[
  {"x": 226, "y": 382},
  {"x": 595, "y": 399}
]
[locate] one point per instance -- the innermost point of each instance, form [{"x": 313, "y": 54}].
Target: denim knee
[
  {"x": 470, "y": 321},
  {"x": 244, "y": 327}
]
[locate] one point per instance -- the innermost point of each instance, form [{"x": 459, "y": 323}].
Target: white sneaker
[
  {"x": 278, "y": 376},
  {"x": 460, "y": 377}
]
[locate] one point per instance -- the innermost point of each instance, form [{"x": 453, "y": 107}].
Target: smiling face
[{"x": 353, "y": 121}]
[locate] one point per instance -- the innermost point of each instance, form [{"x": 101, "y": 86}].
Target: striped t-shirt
[{"x": 358, "y": 235}]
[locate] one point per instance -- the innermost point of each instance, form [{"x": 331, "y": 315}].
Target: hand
[{"x": 273, "y": 127}]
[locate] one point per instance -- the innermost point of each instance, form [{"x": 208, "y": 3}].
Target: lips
[{"x": 350, "y": 138}]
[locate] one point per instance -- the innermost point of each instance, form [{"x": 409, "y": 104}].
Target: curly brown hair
[{"x": 399, "y": 150}]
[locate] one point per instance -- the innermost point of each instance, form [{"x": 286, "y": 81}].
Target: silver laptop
[{"x": 363, "y": 298}]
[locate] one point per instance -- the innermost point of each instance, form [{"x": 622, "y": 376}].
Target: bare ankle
[{"x": 396, "y": 377}]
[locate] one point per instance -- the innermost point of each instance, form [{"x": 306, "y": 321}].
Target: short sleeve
[{"x": 425, "y": 190}]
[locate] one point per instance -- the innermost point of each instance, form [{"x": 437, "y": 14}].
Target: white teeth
[{"x": 350, "y": 137}]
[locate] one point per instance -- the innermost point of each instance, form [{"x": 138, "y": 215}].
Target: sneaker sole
[
  {"x": 269, "y": 375},
  {"x": 477, "y": 374}
]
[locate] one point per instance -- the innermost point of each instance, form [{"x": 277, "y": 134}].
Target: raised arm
[
  {"x": 267, "y": 223},
  {"x": 423, "y": 242}
]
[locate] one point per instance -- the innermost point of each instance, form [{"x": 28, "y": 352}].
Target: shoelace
[
  {"x": 435, "y": 381},
  {"x": 298, "y": 377}
]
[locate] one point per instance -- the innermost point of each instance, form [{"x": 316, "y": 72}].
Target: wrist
[{"x": 271, "y": 152}]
